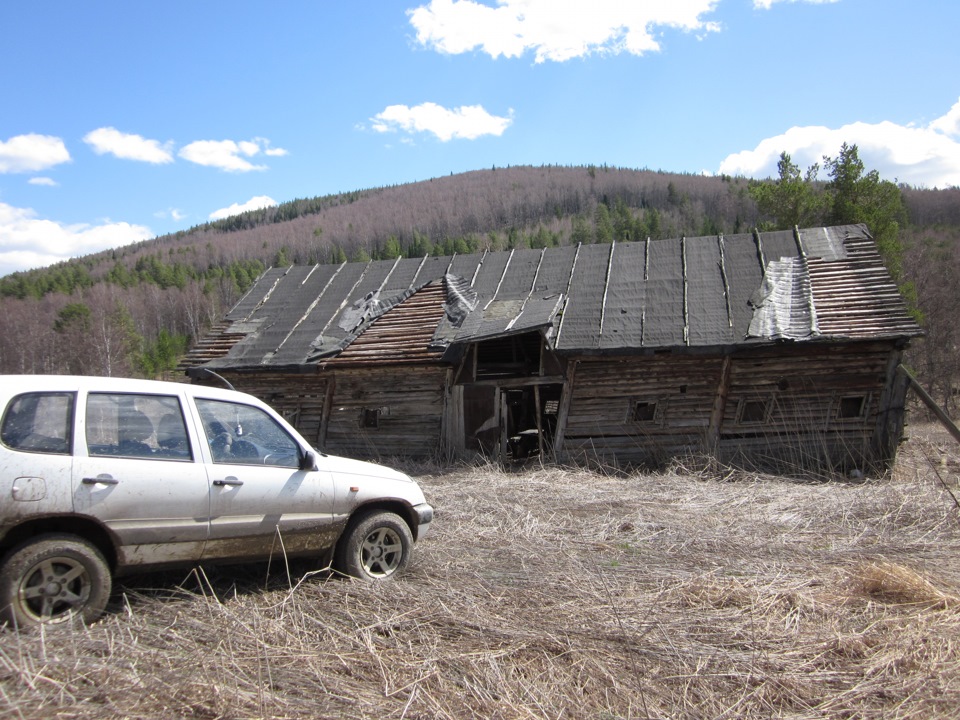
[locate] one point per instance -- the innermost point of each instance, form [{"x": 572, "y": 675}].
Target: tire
[
  {"x": 374, "y": 547},
  {"x": 53, "y": 579}
]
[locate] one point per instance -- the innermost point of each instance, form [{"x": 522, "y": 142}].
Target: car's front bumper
[{"x": 424, "y": 514}]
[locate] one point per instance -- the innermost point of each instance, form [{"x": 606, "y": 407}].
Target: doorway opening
[{"x": 512, "y": 424}]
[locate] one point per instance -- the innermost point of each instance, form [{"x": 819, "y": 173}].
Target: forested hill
[
  {"x": 133, "y": 310},
  {"x": 498, "y": 208}
]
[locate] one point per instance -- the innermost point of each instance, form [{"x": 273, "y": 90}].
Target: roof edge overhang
[
  {"x": 896, "y": 341},
  {"x": 197, "y": 371}
]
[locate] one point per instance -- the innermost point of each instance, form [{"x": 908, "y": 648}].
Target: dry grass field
[{"x": 559, "y": 593}]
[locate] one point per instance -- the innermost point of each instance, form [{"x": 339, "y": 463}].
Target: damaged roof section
[{"x": 826, "y": 283}]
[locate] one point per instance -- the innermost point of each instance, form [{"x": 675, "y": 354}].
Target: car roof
[{"x": 14, "y": 384}]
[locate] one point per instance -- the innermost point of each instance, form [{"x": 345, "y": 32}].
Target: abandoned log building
[{"x": 762, "y": 349}]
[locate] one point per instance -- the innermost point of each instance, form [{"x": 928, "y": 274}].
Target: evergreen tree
[
  {"x": 581, "y": 232},
  {"x": 391, "y": 249},
  {"x": 793, "y": 200},
  {"x": 862, "y": 197},
  {"x": 602, "y": 226}
]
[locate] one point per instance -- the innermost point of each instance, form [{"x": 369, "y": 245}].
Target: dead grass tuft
[{"x": 889, "y": 582}]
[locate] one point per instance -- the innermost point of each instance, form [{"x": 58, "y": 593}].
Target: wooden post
[
  {"x": 931, "y": 403},
  {"x": 325, "y": 415},
  {"x": 719, "y": 405},
  {"x": 504, "y": 424},
  {"x": 564, "y": 410},
  {"x": 452, "y": 432},
  {"x": 536, "y": 402}
]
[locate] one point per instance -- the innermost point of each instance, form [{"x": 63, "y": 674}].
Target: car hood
[{"x": 360, "y": 468}]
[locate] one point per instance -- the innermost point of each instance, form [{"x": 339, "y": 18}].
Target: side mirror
[{"x": 308, "y": 461}]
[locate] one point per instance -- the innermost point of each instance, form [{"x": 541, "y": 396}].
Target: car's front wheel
[
  {"x": 374, "y": 547},
  {"x": 53, "y": 579}
]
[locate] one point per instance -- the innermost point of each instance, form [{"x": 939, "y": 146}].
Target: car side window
[
  {"x": 39, "y": 422},
  {"x": 136, "y": 426},
  {"x": 245, "y": 435}
]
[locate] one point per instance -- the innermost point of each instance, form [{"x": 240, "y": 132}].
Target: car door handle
[
  {"x": 231, "y": 481},
  {"x": 101, "y": 480}
]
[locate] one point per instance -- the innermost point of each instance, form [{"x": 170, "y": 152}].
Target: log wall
[
  {"x": 811, "y": 398},
  {"x": 785, "y": 407},
  {"x": 411, "y": 405},
  {"x": 601, "y": 420}
]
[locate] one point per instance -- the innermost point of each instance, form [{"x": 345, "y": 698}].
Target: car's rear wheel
[
  {"x": 374, "y": 547},
  {"x": 53, "y": 579}
]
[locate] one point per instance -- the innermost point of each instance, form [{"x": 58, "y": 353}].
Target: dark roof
[{"x": 816, "y": 284}]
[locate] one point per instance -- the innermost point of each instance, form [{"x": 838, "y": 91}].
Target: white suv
[{"x": 99, "y": 476}]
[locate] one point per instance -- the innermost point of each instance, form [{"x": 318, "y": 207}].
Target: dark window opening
[
  {"x": 851, "y": 407},
  {"x": 513, "y": 356},
  {"x": 645, "y": 411},
  {"x": 753, "y": 411},
  {"x": 370, "y": 418}
]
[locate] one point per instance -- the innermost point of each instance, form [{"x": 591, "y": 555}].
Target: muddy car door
[
  {"x": 139, "y": 474},
  {"x": 263, "y": 500}
]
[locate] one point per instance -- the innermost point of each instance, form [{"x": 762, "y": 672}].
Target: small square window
[
  {"x": 851, "y": 407},
  {"x": 752, "y": 411},
  {"x": 645, "y": 411},
  {"x": 370, "y": 418}
]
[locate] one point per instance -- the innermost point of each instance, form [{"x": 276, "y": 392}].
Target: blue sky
[{"x": 121, "y": 121}]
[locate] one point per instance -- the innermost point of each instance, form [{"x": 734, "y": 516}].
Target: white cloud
[
  {"x": 31, "y": 153},
  {"x": 949, "y": 124},
  {"x": 108, "y": 140},
  {"x": 172, "y": 213},
  {"x": 767, "y": 4},
  {"x": 468, "y": 122},
  {"x": 48, "y": 182},
  {"x": 229, "y": 155},
  {"x": 927, "y": 156},
  {"x": 555, "y": 30},
  {"x": 254, "y": 203},
  {"x": 27, "y": 241}
]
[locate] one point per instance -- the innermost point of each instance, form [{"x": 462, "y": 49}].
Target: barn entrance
[
  {"x": 511, "y": 423},
  {"x": 511, "y": 387}
]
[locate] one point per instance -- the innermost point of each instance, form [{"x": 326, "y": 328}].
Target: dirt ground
[{"x": 559, "y": 593}]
